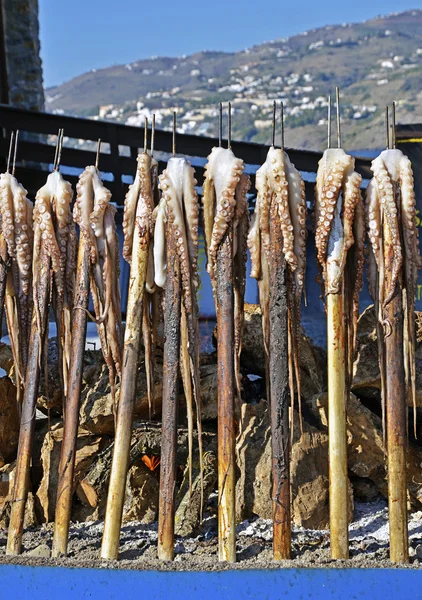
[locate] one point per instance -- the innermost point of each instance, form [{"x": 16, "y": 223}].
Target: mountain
[{"x": 373, "y": 63}]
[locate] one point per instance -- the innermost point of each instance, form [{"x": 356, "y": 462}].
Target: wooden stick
[
  {"x": 337, "y": 444},
  {"x": 279, "y": 392},
  {"x": 4, "y": 261},
  {"x": 132, "y": 341},
  {"x": 396, "y": 411},
  {"x": 226, "y": 388},
  {"x": 166, "y": 509},
  {"x": 71, "y": 418},
  {"x": 26, "y": 433}
]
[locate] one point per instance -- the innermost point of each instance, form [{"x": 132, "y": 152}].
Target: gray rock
[{"x": 41, "y": 551}]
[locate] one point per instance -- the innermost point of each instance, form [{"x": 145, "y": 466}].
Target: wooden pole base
[
  {"x": 226, "y": 387},
  {"x": 337, "y": 441}
]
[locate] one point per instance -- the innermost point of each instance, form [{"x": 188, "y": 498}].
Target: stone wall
[{"x": 24, "y": 70}]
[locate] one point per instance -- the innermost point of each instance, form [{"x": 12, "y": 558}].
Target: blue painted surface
[{"x": 51, "y": 583}]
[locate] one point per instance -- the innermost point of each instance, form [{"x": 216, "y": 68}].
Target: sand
[{"x": 138, "y": 550}]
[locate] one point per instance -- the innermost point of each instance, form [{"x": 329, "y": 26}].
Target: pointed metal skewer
[
  {"x": 229, "y": 126},
  {"x": 39, "y": 326},
  {"x": 168, "y": 470},
  {"x": 273, "y": 125},
  {"x": 338, "y": 117},
  {"x": 220, "y": 124},
  {"x": 71, "y": 417},
  {"x": 282, "y": 125},
  {"x": 152, "y": 134},
  {"x": 329, "y": 122},
  {"x": 9, "y": 156}
]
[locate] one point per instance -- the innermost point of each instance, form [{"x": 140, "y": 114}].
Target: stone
[
  {"x": 188, "y": 504},
  {"x": 312, "y": 359},
  {"x": 41, "y": 551},
  {"x": 9, "y": 421},
  {"x": 308, "y": 470},
  {"x": 7, "y": 479},
  {"x": 365, "y": 451},
  {"x": 418, "y": 550},
  {"x": 22, "y": 44},
  {"x": 87, "y": 449},
  {"x": 142, "y": 494}
]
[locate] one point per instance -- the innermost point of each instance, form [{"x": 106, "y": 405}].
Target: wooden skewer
[
  {"x": 279, "y": 392},
  {"x": 166, "y": 509},
  {"x": 226, "y": 387},
  {"x": 71, "y": 417},
  {"x": 26, "y": 434},
  {"x": 337, "y": 442},
  {"x": 132, "y": 342},
  {"x": 396, "y": 413}
]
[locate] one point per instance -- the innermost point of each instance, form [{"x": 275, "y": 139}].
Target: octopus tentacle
[
  {"x": 278, "y": 182},
  {"x": 96, "y": 218},
  {"x": 54, "y": 236},
  {"x": 179, "y": 208},
  {"x": 17, "y": 228}
]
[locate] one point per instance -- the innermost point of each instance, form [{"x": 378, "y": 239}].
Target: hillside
[{"x": 373, "y": 62}]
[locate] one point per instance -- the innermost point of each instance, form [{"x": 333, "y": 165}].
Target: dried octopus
[
  {"x": 225, "y": 202},
  {"x": 280, "y": 184},
  {"x": 140, "y": 201},
  {"x": 179, "y": 209},
  {"x": 17, "y": 233},
  {"x": 390, "y": 201},
  {"x": 96, "y": 219},
  {"x": 55, "y": 240},
  {"x": 340, "y": 236}
]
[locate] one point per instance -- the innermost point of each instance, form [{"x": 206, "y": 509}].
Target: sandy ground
[{"x": 138, "y": 549}]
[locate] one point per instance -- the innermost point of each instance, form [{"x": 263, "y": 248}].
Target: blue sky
[{"x": 80, "y": 35}]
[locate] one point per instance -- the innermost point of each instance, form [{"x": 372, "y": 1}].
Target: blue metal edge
[{"x": 42, "y": 583}]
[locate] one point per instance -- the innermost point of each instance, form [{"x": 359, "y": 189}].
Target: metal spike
[
  {"x": 273, "y": 133},
  {"x": 145, "y": 135},
  {"x": 282, "y": 124},
  {"x": 393, "y": 126},
  {"x": 15, "y": 152},
  {"x": 229, "y": 129},
  {"x": 59, "y": 147},
  {"x": 174, "y": 134},
  {"x": 220, "y": 124},
  {"x": 9, "y": 157},
  {"x": 338, "y": 117},
  {"x": 387, "y": 128},
  {"x": 329, "y": 123},
  {"x": 97, "y": 157},
  {"x": 152, "y": 134}
]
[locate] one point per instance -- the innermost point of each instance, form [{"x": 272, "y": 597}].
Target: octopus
[
  {"x": 96, "y": 219},
  {"x": 390, "y": 201},
  {"x": 179, "y": 210},
  {"x": 225, "y": 203},
  {"x": 55, "y": 238},
  {"x": 17, "y": 232},
  {"x": 140, "y": 201},
  {"x": 340, "y": 236},
  {"x": 279, "y": 184}
]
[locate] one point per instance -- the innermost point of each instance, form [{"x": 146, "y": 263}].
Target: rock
[
  {"x": 313, "y": 367},
  {"x": 365, "y": 454},
  {"x": 364, "y": 489},
  {"x": 366, "y": 373},
  {"x": 9, "y": 421},
  {"x": 146, "y": 442},
  {"x": 418, "y": 550},
  {"x": 7, "y": 479},
  {"x": 188, "y": 511},
  {"x": 41, "y": 551},
  {"x": 142, "y": 494},
  {"x": 309, "y": 472},
  {"x": 87, "y": 449}
]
